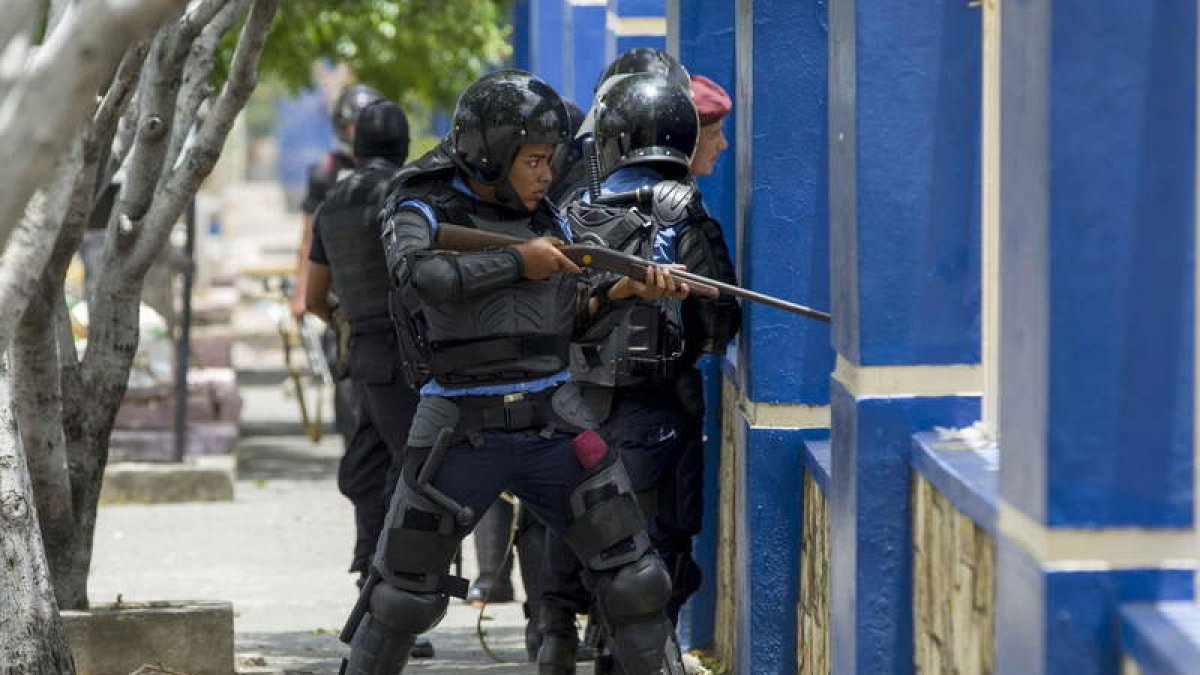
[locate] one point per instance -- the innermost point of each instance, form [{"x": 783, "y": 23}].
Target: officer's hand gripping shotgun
[{"x": 464, "y": 239}]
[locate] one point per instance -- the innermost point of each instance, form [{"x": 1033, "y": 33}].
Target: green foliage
[{"x": 411, "y": 50}]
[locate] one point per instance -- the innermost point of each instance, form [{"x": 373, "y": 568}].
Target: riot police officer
[
  {"x": 325, "y": 174},
  {"x": 347, "y": 258},
  {"x": 492, "y": 328},
  {"x": 643, "y": 353},
  {"x": 321, "y": 178}
]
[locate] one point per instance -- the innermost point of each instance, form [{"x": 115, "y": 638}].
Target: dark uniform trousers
[
  {"x": 661, "y": 447},
  {"x": 370, "y": 467}
]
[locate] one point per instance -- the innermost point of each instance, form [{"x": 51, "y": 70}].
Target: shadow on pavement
[
  {"x": 319, "y": 653},
  {"x": 288, "y": 458}
]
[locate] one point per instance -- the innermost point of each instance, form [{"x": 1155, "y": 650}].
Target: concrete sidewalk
[{"x": 279, "y": 552}]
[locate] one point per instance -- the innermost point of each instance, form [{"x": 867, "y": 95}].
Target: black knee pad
[
  {"x": 407, "y": 612},
  {"x": 608, "y": 529},
  {"x": 638, "y": 590}
]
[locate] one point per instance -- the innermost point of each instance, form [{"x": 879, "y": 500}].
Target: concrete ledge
[
  {"x": 968, "y": 477},
  {"x": 1161, "y": 638},
  {"x": 817, "y": 457},
  {"x": 201, "y": 479},
  {"x": 194, "y": 637}
]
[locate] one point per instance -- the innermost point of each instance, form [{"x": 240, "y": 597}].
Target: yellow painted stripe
[
  {"x": 990, "y": 204},
  {"x": 637, "y": 25},
  {"x": 1100, "y": 549},
  {"x": 908, "y": 381},
  {"x": 785, "y": 416}
]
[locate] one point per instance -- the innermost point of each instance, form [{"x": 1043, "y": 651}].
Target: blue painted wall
[
  {"x": 767, "y": 611},
  {"x": 905, "y": 86},
  {"x": 615, "y": 44},
  {"x": 1068, "y": 621},
  {"x": 638, "y": 7},
  {"x": 522, "y": 45},
  {"x": 624, "y": 43},
  {"x": 1098, "y": 232},
  {"x": 782, "y": 177},
  {"x": 548, "y": 37},
  {"x": 706, "y": 47},
  {"x": 586, "y": 45},
  {"x": 904, "y": 214},
  {"x": 871, "y": 528}
]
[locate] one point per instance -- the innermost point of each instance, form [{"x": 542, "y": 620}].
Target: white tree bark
[
  {"x": 44, "y": 109},
  {"x": 64, "y": 205},
  {"x": 20, "y": 20},
  {"x": 92, "y": 394},
  {"x": 69, "y": 421},
  {"x": 30, "y": 247},
  {"x": 31, "y": 634}
]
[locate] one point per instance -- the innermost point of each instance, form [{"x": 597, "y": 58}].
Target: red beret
[{"x": 712, "y": 103}]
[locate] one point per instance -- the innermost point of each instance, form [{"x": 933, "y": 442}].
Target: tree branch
[
  {"x": 198, "y": 71},
  {"x": 122, "y": 85},
  {"x": 37, "y": 395},
  {"x": 184, "y": 179},
  {"x": 23, "y": 260},
  {"x": 20, "y": 19},
  {"x": 46, "y": 107},
  {"x": 157, "y": 89}
]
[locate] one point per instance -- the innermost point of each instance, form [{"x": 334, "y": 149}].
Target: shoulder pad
[
  {"x": 435, "y": 163},
  {"x": 671, "y": 200},
  {"x": 360, "y": 187}
]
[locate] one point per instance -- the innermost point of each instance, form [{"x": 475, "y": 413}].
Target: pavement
[{"x": 279, "y": 551}]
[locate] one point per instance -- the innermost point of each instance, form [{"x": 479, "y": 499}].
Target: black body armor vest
[
  {"x": 635, "y": 342},
  {"x": 349, "y": 229},
  {"x": 518, "y": 332}
]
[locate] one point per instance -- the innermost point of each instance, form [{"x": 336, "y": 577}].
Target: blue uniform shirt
[{"x": 433, "y": 387}]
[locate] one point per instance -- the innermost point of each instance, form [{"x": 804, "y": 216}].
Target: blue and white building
[{"x": 988, "y": 462}]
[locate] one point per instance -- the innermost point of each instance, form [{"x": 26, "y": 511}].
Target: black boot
[
  {"x": 491, "y": 541},
  {"x": 422, "y": 648},
  {"x": 556, "y": 656}
]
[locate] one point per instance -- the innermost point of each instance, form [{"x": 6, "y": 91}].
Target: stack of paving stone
[{"x": 144, "y": 428}]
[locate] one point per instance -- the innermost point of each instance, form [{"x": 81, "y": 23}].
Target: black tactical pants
[
  {"x": 373, "y": 458},
  {"x": 661, "y": 447}
]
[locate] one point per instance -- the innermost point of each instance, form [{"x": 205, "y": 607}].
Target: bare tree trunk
[
  {"x": 31, "y": 634},
  {"x": 37, "y": 394}
]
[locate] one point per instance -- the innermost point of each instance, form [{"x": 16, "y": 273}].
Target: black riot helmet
[
  {"x": 498, "y": 114},
  {"x": 345, "y": 110},
  {"x": 647, "y": 60},
  {"x": 646, "y": 119},
  {"x": 381, "y": 130}
]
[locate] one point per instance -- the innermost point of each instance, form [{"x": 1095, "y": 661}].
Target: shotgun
[{"x": 464, "y": 239}]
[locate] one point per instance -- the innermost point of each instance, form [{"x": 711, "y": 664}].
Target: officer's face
[
  {"x": 708, "y": 149},
  {"x": 530, "y": 174}
]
